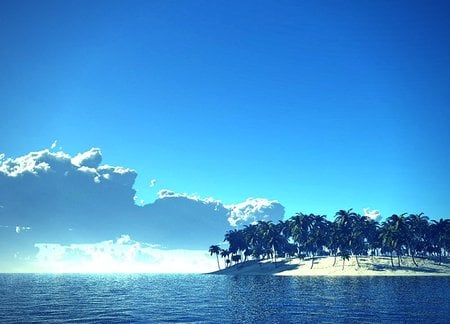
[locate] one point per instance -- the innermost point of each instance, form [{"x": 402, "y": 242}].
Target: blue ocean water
[{"x": 172, "y": 298}]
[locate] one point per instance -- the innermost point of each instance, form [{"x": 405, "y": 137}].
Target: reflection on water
[{"x": 214, "y": 299}]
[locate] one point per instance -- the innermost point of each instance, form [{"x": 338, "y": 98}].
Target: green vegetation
[{"x": 350, "y": 234}]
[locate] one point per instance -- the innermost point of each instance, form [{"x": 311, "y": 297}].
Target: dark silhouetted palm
[
  {"x": 226, "y": 255},
  {"x": 440, "y": 234},
  {"x": 215, "y": 249},
  {"x": 417, "y": 230}
]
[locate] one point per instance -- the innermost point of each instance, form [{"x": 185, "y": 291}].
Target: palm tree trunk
[
  {"x": 335, "y": 257},
  {"x": 312, "y": 261},
  {"x": 275, "y": 255},
  {"x": 343, "y": 264},
  {"x": 218, "y": 265},
  {"x": 392, "y": 260},
  {"x": 398, "y": 259},
  {"x": 414, "y": 261},
  {"x": 357, "y": 261}
]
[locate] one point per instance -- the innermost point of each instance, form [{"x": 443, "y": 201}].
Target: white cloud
[
  {"x": 165, "y": 193},
  {"x": 372, "y": 214},
  {"x": 123, "y": 255},
  {"x": 54, "y": 144},
  {"x": 91, "y": 158},
  {"x": 254, "y": 209},
  {"x": 32, "y": 163},
  {"x": 247, "y": 212},
  {"x": 51, "y": 192},
  {"x": 20, "y": 229},
  {"x": 152, "y": 183}
]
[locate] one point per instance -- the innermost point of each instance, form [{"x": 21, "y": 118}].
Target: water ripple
[{"x": 221, "y": 299}]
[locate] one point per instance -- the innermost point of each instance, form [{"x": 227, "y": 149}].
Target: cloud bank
[
  {"x": 123, "y": 255},
  {"x": 56, "y": 198}
]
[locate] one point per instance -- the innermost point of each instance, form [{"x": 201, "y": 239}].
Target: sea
[{"x": 198, "y": 298}]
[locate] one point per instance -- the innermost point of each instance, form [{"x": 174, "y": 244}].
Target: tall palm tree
[
  {"x": 417, "y": 228},
  {"x": 394, "y": 235},
  {"x": 317, "y": 237},
  {"x": 333, "y": 240},
  {"x": 251, "y": 240},
  {"x": 215, "y": 249},
  {"x": 386, "y": 239},
  {"x": 284, "y": 230},
  {"x": 344, "y": 227},
  {"x": 300, "y": 225},
  {"x": 357, "y": 237},
  {"x": 440, "y": 234},
  {"x": 272, "y": 238},
  {"x": 371, "y": 234},
  {"x": 235, "y": 240}
]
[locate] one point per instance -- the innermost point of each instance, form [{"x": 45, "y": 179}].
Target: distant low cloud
[
  {"x": 54, "y": 144},
  {"x": 152, "y": 183},
  {"x": 122, "y": 255},
  {"x": 372, "y": 214}
]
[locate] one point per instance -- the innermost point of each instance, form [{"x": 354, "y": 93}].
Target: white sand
[{"x": 377, "y": 266}]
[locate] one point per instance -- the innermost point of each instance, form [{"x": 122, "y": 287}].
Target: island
[{"x": 351, "y": 245}]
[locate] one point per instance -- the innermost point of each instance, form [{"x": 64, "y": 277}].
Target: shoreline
[{"x": 323, "y": 266}]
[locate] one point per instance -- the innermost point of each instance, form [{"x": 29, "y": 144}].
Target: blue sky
[{"x": 319, "y": 105}]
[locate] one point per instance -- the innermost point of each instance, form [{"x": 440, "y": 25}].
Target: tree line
[{"x": 350, "y": 234}]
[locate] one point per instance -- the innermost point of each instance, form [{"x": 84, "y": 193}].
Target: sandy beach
[{"x": 323, "y": 266}]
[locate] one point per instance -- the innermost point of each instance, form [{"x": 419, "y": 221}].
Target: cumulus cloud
[
  {"x": 123, "y": 255},
  {"x": 54, "y": 145},
  {"x": 90, "y": 159},
  {"x": 152, "y": 183},
  {"x": 254, "y": 209},
  {"x": 76, "y": 199},
  {"x": 372, "y": 214},
  {"x": 51, "y": 191}
]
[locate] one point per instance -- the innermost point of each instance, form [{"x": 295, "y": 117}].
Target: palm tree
[
  {"x": 251, "y": 240},
  {"x": 236, "y": 258},
  {"x": 215, "y": 249},
  {"x": 358, "y": 233},
  {"x": 284, "y": 230},
  {"x": 371, "y": 234},
  {"x": 417, "y": 229},
  {"x": 225, "y": 254},
  {"x": 345, "y": 255},
  {"x": 333, "y": 240},
  {"x": 300, "y": 225},
  {"x": 317, "y": 237},
  {"x": 393, "y": 234},
  {"x": 385, "y": 236},
  {"x": 440, "y": 234},
  {"x": 235, "y": 240},
  {"x": 272, "y": 238},
  {"x": 344, "y": 227}
]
